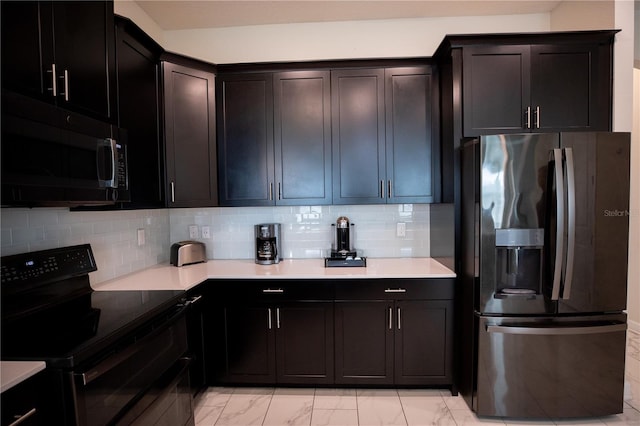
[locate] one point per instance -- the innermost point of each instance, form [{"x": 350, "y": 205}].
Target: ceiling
[{"x": 179, "y": 15}]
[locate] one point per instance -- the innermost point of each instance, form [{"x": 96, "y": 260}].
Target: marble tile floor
[{"x": 225, "y": 406}]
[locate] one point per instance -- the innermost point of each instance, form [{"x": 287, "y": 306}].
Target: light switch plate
[
  {"x": 141, "y": 238},
  {"x": 401, "y": 229}
]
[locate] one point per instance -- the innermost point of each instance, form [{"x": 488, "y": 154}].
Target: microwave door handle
[
  {"x": 571, "y": 222},
  {"x": 557, "y": 158},
  {"x": 111, "y": 145}
]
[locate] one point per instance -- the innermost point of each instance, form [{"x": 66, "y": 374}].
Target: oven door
[{"x": 107, "y": 391}]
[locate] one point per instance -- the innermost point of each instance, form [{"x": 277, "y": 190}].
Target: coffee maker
[
  {"x": 342, "y": 251},
  {"x": 267, "y": 236}
]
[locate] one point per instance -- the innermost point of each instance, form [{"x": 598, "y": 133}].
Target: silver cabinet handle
[
  {"x": 65, "y": 82},
  {"x": 528, "y": 117},
  {"x": 381, "y": 189},
  {"x": 173, "y": 192},
  {"x": 390, "y": 318},
  {"x": 389, "y": 188},
  {"x": 399, "y": 320},
  {"x": 23, "y": 417},
  {"x": 272, "y": 290},
  {"x": 556, "y": 331},
  {"x": 269, "y": 318},
  {"x": 395, "y": 290},
  {"x": 278, "y": 318},
  {"x": 559, "y": 176},
  {"x": 270, "y": 191},
  {"x": 571, "y": 222},
  {"x": 279, "y": 191},
  {"x": 54, "y": 88},
  {"x": 537, "y": 117}
]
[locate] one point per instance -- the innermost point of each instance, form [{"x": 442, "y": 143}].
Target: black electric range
[
  {"x": 112, "y": 357},
  {"x": 51, "y": 313}
]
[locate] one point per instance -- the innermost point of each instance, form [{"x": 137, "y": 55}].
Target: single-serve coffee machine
[
  {"x": 267, "y": 243},
  {"x": 342, "y": 251}
]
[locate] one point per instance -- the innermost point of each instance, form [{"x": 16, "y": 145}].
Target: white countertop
[
  {"x": 168, "y": 277},
  {"x": 14, "y": 372}
]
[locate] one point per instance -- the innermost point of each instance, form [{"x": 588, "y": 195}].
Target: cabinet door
[
  {"x": 411, "y": 148},
  {"x": 496, "y": 94},
  {"x": 423, "y": 342},
  {"x": 302, "y": 124},
  {"x": 364, "y": 342},
  {"x": 358, "y": 133},
  {"x": 250, "y": 355},
  {"x": 189, "y": 136},
  {"x": 245, "y": 139},
  {"x": 27, "y": 48},
  {"x": 139, "y": 84},
  {"x": 304, "y": 343},
  {"x": 569, "y": 88},
  {"x": 85, "y": 56}
]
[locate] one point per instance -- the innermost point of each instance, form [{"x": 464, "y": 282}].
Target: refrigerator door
[
  {"x": 550, "y": 367},
  {"x": 597, "y": 225},
  {"x": 513, "y": 186}
]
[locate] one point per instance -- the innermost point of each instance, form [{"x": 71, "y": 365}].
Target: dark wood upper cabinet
[
  {"x": 138, "y": 71},
  {"x": 412, "y": 136},
  {"x": 571, "y": 87},
  {"x": 302, "y": 136},
  {"x": 536, "y": 88},
  {"x": 189, "y": 132},
  {"x": 358, "y": 136},
  {"x": 274, "y": 138},
  {"x": 245, "y": 139},
  {"x": 62, "y": 52},
  {"x": 385, "y": 136}
]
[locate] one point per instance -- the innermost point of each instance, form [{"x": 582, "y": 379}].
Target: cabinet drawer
[
  {"x": 273, "y": 290},
  {"x": 395, "y": 289}
]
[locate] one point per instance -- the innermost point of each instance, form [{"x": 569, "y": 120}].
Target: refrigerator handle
[
  {"x": 557, "y": 158},
  {"x": 556, "y": 331},
  {"x": 571, "y": 222}
]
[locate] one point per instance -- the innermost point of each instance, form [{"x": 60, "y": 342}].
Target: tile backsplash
[
  {"x": 306, "y": 232},
  {"x": 112, "y": 235}
]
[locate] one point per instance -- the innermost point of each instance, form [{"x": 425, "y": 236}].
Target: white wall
[
  {"x": 131, "y": 10},
  {"x": 338, "y": 40}
]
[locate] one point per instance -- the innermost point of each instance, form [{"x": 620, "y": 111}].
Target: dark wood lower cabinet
[
  {"x": 423, "y": 342},
  {"x": 290, "y": 343},
  {"x": 304, "y": 343},
  {"x": 364, "y": 343},
  {"x": 305, "y": 332}
]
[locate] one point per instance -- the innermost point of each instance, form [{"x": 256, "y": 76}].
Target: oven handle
[{"x": 113, "y": 361}]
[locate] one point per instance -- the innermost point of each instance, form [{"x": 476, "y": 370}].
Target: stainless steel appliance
[
  {"x": 343, "y": 252},
  {"x": 112, "y": 357},
  {"x": 187, "y": 253},
  {"x": 62, "y": 159},
  {"x": 267, "y": 237},
  {"x": 544, "y": 228}
]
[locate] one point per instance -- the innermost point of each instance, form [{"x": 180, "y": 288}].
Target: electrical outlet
[
  {"x": 401, "y": 229},
  {"x": 193, "y": 231},
  {"x": 141, "y": 239},
  {"x": 206, "y": 232}
]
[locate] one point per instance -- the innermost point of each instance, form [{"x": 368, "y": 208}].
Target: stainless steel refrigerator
[{"x": 544, "y": 229}]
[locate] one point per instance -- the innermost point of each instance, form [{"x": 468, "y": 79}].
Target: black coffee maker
[
  {"x": 343, "y": 238},
  {"x": 267, "y": 243}
]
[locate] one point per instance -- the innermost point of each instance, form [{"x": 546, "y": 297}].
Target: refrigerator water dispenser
[{"x": 519, "y": 262}]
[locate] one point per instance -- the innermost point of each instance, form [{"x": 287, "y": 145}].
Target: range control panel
[{"x": 48, "y": 265}]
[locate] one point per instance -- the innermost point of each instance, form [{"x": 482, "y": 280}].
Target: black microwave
[{"x": 53, "y": 157}]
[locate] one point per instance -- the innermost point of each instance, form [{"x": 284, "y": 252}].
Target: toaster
[{"x": 188, "y": 252}]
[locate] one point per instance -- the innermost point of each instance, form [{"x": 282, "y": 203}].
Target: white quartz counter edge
[
  {"x": 14, "y": 372},
  {"x": 167, "y": 277}
]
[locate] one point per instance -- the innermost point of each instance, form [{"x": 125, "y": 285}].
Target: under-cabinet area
[{"x": 370, "y": 332}]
